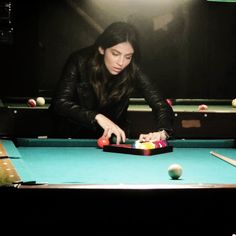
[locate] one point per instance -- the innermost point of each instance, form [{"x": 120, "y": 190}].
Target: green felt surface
[
  {"x": 190, "y": 108},
  {"x": 24, "y": 106},
  {"x": 142, "y": 106},
  {"x": 90, "y": 165}
]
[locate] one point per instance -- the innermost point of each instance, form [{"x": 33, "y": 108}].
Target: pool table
[
  {"x": 80, "y": 163},
  {"x": 119, "y": 190},
  {"x": 218, "y": 121}
]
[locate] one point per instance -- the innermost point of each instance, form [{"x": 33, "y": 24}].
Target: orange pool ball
[{"x": 102, "y": 141}]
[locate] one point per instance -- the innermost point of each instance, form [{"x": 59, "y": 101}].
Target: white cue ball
[
  {"x": 175, "y": 171},
  {"x": 40, "y": 101},
  {"x": 234, "y": 102}
]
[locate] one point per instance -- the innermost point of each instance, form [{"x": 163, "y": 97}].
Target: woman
[{"x": 93, "y": 93}]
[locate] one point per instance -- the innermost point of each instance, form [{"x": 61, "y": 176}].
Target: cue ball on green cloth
[{"x": 175, "y": 171}]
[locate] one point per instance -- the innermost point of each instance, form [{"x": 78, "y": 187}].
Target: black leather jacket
[{"x": 75, "y": 101}]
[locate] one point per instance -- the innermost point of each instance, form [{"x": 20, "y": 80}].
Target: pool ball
[
  {"x": 143, "y": 145},
  {"x": 202, "y": 107},
  {"x": 160, "y": 143},
  {"x": 40, "y": 101},
  {"x": 31, "y": 102},
  {"x": 148, "y": 145},
  {"x": 113, "y": 140},
  {"x": 102, "y": 141},
  {"x": 175, "y": 171},
  {"x": 234, "y": 102},
  {"x": 169, "y": 101}
]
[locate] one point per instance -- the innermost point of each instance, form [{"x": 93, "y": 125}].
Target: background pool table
[
  {"x": 19, "y": 120},
  {"x": 218, "y": 121},
  {"x": 120, "y": 193}
]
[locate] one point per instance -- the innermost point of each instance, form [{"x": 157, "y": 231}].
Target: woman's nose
[{"x": 120, "y": 61}]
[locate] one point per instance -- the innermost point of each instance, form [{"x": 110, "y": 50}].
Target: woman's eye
[{"x": 115, "y": 54}]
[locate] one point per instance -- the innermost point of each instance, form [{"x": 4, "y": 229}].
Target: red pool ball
[
  {"x": 31, "y": 102},
  {"x": 102, "y": 141},
  {"x": 160, "y": 144},
  {"x": 169, "y": 101}
]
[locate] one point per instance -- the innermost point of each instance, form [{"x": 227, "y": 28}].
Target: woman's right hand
[{"x": 110, "y": 128}]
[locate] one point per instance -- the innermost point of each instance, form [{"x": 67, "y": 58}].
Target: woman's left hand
[{"x": 153, "y": 136}]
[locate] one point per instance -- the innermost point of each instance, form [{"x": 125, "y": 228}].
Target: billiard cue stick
[{"x": 224, "y": 158}]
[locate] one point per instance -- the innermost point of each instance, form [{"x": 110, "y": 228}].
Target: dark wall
[{"x": 188, "y": 47}]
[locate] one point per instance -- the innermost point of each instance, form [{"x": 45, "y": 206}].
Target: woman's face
[{"x": 118, "y": 57}]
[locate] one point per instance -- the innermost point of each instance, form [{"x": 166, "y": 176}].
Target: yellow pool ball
[
  {"x": 148, "y": 145},
  {"x": 175, "y": 171},
  {"x": 144, "y": 145}
]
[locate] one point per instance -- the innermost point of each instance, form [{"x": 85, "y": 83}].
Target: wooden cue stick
[{"x": 224, "y": 158}]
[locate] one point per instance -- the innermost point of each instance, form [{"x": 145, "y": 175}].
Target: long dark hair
[{"x": 107, "y": 89}]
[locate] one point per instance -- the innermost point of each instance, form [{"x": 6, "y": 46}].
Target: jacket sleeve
[
  {"x": 162, "y": 111},
  {"x": 66, "y": 102}
]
